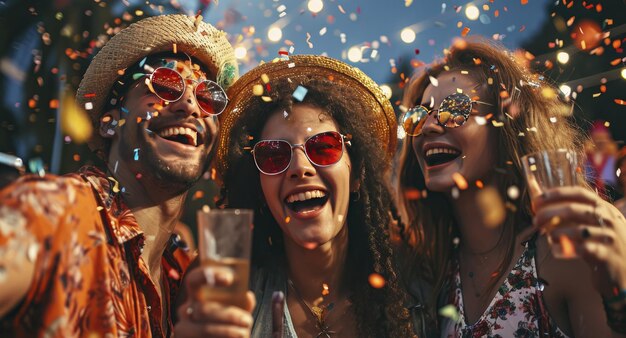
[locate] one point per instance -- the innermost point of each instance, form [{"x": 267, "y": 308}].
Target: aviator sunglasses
[
  {"x": 453, "y": 112},
  {"x": 169, "y": 85},
  {"x": 273, "y": 157}
]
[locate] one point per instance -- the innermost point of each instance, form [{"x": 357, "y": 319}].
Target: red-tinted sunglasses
[
  {"x": 169, "y": 85},
  {"x": 273, "y": 157}
]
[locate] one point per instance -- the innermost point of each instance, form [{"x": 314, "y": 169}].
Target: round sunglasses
[
  {"x": 169, "y": 85},
  {"x": 273, "y": 157},
  {"x": 453, "y": 112}
]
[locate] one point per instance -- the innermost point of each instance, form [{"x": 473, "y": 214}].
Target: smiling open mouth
[
  {"x": 306, "y": 201},
  {"x": 182, "y": 135},
  {"x": 437, "y": 156}
]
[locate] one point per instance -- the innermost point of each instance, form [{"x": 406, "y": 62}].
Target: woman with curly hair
[
  {"x": 472, "y": 117},
  {"x": 307, "y": 143}
]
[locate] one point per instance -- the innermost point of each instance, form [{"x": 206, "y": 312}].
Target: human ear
[{"x": 109, "y": 122}]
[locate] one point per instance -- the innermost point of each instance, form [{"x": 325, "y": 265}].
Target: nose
[
  {"x": 300, "y": 166},
  {"x": 431, "y": 126},
  {"x": 187, "y": 105}
]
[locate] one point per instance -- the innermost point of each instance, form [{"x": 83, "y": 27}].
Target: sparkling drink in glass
[
  {"x": 550, "y": 169},
  {"x": 224, "y": 249}
]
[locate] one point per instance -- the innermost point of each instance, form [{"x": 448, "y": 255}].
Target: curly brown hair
[
  {"x": 380, "y": 312},
  {"x": 542, "y": 121}
]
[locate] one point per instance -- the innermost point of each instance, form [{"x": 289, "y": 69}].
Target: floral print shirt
[
  {"x": 517, "y": 310},
  {"x": 89, "y": 278}
]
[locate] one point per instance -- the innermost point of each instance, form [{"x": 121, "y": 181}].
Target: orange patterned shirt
[{"x": 89, "y": 278}]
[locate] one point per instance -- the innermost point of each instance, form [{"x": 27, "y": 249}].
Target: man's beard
[{"x": 174, "y": 176}]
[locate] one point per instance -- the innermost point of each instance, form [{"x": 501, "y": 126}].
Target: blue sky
[{"x": 366, "y": 24}]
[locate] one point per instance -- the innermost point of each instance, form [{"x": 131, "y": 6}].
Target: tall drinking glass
[
  {"x": 550, "y": 169},
  {"x": 225, "y": 242}
]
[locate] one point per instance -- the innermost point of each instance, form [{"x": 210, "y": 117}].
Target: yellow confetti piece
[
  {"x": 460, "y": 181},
  {"x": 174, "y": 49},
  {"x": 497, "y": 124},
  {"x": 116, "y": 184},
  {"x": 266, "y": 99},
  {"x": 407, "y": 3},
  {"x": 265, "y": 78},
  {"x": 74, "y": 120},
  {"x": 376, "y": 280},
  {"x": 450, "y": 311},
  {"x": 257, "y": 90},
  {"x": 491, "y": 207}
]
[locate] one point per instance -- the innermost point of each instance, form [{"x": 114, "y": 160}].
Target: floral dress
[{"x": 517, "y": 310}]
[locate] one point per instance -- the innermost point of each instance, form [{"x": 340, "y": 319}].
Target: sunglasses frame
[
  {"x": 184, "y": 80},
  {"x": 430, "y": 111},
  {"x": 345, "y": 140}
]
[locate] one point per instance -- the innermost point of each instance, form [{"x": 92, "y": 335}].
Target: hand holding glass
[
  {"x": 551, "y": 169},
  {"x": 225, "y": 242}
]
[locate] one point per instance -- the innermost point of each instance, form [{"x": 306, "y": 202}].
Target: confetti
[
  {"x": 460, "y": 181},
  {"x": 491, "y": 207},
  {"x": 136, "y": 152},
  {"x": 287, "y": 220},
  {"x": 308, "y": 40},
  {"x": 620, "y": 102},
  {"x": 257, "y": 90},
  {"x": 300, "y": 93},
  {"x": 433, "y": 81},
  {"x": 450, "y": 311},
  {"x": 465, "y": 31},
  {"x": 376, "y": 280}
]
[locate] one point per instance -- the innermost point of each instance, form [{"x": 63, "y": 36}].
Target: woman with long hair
[
  {"x": 475, "y": 235},
  {"x": 307, "y": 143}
]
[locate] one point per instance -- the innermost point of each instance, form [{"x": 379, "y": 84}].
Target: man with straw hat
[{"x": 92, "y": 253}]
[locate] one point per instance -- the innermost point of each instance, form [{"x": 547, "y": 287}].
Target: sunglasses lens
[
  {"x": 168, "y": 84},
  {"x": 272, "y": 157},
  {"x": 454, "y": 110},
  {"x": 211, "y": 97},
  {"x": 414, "y": 119},
  {"x": 325, "y": 148}
]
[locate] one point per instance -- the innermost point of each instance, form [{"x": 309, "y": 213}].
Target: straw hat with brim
[
  {"x": 164, "y": 33},
  {"x": 303, "y": 67}
]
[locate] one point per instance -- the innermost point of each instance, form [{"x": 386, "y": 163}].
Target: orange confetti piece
[
  {"x": 76, "y": 157},
  {"x": 620, "y": 102},
  {"x": 460, "y": 181},
  {"x": 54, "y": 103},
  {"x": 412, "y": 194},
  {"x": 325, "y": 291},
  {"x": 496, "y": 13},
  {"x": 524, "y": 2},
  {"x": 198, "y": 194},
  {"x": 376, "y": 280},
  {"x": 174, "y": 49},
  {"x": 213, "y": 174},
  {"x": 568, "y": 247},
  {"x": 32, "y": 103},
  {"x": 617, "y": 43},
  {"x": 479, "y": 184},
  {"x": 287, "y": 219},
  {"x": 465, "y": 31}
]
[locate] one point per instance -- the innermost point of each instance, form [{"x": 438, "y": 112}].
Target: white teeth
[
  {"x": 434, "y": 151},
  {"x": 307, "y": 195},
  {"x": 171, "y": 131}
]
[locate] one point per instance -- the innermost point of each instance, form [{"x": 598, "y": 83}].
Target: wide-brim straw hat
[
  {"x": 164, "y": 33},
  {"x": 303, "y": 67}
]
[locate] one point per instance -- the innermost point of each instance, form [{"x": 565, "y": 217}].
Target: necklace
[
  {"x": 482, "y": 259},
  {"x": 318, "y": 312}
]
